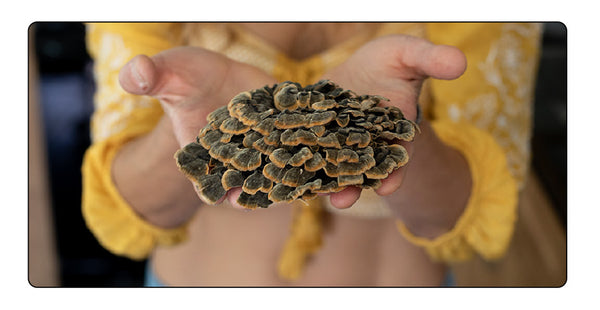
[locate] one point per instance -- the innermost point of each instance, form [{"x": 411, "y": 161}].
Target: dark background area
[
  {"x": 549, "y": 143},
  {"x": 66, "y": 96}
]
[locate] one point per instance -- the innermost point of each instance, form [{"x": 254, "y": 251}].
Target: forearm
[
  {"x": 147, "y": 177},
  {"x": 436, "y": 187}
]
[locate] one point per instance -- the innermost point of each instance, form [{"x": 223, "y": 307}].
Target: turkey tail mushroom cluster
[{"x": 287, "y": 142}]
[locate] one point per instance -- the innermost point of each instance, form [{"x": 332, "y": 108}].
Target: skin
[{"x": 191, "y": 82}]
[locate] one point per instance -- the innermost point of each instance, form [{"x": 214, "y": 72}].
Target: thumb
[
  {"x": 139, "y": 75},
  {"x": 412, "y": 58},
  {"x": 442, "y": 62}
]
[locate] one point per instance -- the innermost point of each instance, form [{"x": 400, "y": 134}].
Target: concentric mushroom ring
[{"x": 286, "y": 142}]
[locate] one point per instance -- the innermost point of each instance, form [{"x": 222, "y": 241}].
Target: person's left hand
[{"x": 394, "y": 67}]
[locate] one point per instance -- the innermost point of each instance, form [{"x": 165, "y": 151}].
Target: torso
[
  {"x": 228, "y": 247},
  {"x": 302, "y": 40}
]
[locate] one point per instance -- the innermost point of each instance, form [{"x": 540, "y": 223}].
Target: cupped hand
[
  {"x": 190, "y": 82},
  {"x": 394, "y": 67}
]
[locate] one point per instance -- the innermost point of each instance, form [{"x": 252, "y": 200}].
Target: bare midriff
[{"x": 229, "y": 247}]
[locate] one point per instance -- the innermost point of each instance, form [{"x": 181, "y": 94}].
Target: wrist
[
  {"x": 145, "y": 165},
  {"x": 435, "y": 189}
]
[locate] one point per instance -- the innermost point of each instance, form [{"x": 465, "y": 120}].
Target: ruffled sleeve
[
  {"x": 118, "y": 118},
  {"x": 487, "y": 224},
  {"x": 486, "y": 115}
]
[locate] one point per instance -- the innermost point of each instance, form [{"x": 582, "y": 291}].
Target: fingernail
[{"x": 139, "y": 79}]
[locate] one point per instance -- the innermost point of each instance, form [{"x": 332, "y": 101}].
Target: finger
[
  {"x": 232, "y": 196},
  {"x": 430, "y": 60},
  {"x": 444, "y": 62},
  {"x": 139, "y": 75},
  {"x": 345, "y": 198},
  {"x": 391, "y": 184}
]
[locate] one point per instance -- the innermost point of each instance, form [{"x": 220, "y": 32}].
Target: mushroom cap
[{"x": 285, "y": 142}]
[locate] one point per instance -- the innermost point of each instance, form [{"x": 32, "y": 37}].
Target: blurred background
[{"x": 62, "y": 252}]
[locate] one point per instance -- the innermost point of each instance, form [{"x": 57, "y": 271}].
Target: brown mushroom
[{"x": 285, "y": 142}]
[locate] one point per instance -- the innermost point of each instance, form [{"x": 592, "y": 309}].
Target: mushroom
[{"x": 285, "y": 142}]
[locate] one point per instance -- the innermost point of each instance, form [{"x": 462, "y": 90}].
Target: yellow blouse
[{"x": 485, "y": 114}]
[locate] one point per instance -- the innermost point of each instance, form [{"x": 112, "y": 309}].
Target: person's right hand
[{"x": 191, "y": 82}]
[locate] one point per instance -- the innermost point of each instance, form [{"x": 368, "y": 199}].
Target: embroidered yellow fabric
[
  {"x": 119, "y": 117},
  {"x": 486, "y": 114}
]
